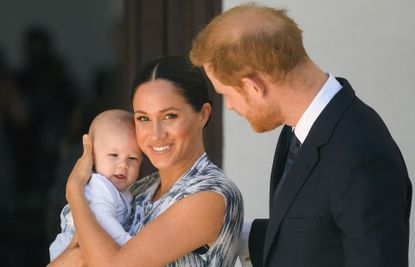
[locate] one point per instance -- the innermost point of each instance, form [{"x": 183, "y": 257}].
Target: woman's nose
[{"x": 158, "y": 131}]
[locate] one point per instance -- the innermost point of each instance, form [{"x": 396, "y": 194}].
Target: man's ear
[{"x": 254, "y": 85}]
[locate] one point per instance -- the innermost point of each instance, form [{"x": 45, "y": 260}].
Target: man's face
[
  {"x": 256, "y": 112},
  {"x": 234, "y": 100}
]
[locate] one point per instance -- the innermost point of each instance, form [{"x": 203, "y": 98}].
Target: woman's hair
[{"x": 189, "y": 80}]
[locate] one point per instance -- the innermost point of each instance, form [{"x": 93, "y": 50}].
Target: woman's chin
[{"x": 159, "y": 163}]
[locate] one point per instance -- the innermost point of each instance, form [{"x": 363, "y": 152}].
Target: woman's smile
[{"x": 161, "y": 149}]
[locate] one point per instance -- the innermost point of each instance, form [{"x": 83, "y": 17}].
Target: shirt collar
[{"x": 320, "y": 101}]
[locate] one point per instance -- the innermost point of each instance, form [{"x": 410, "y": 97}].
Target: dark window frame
[{"x": 165, "y": 27}]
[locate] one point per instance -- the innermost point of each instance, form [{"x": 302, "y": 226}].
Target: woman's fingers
[
  {"x": 83, "y": 167},
  {"x": 82, "y": 170},
  {"x": 87, "y": 144},
  {"x": 85, "y": 162}
]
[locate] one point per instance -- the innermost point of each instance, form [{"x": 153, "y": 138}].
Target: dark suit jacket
[{"x": 346, "y": 199}]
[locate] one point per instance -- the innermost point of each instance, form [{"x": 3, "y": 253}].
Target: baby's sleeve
[
  {"x": 104, "y": 199},
  {"x": 63, "y": 239}
]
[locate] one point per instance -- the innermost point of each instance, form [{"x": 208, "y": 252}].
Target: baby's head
[{"x": 116, "y": 153}]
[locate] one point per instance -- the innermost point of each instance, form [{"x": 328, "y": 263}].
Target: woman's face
[{"x": 168, "y": 130}]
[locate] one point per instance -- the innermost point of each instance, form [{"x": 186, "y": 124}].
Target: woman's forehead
[
  {"x": 156, "y": 87},
  {"x": 158, "y": 94}
]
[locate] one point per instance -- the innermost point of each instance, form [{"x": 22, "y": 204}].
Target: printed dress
[{"x": 201, "y": 177}]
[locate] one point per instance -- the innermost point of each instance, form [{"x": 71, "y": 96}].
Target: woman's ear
[
  {"x": 205, "y": 114},
  {"x": 253, "y": 85}
]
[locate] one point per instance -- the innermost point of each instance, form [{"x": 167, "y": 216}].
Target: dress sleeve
[{"x": 215, "y": 181}]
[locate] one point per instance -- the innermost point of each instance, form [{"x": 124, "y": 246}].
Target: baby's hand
[{"x": 81, "y": 171}]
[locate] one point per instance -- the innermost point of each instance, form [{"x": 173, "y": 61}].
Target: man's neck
[{"x": 303, "y": 84}]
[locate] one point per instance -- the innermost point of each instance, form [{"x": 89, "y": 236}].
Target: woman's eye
[
  {"x": 142, "y": 118},
  {"x": 171, "y": 116}
]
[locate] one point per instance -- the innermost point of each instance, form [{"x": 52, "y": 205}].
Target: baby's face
[{"x": 117, "y": 156}]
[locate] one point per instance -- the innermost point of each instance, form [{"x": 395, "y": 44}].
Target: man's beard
[{"x": 263, "y": 119}]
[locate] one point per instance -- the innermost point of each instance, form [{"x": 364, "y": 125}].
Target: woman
[{"x": 188, "y": 213}]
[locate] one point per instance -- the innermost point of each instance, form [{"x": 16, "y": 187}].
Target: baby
[{"x": 117, "y": 160}]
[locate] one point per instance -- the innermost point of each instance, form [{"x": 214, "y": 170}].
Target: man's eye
[
  {"x": 171, "y": 116},
  {"x": 142, "y": 118}
]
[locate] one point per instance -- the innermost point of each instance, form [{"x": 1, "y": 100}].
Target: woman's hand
[{"x": 82, "y": 170}]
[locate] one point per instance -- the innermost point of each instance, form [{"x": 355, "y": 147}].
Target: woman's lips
[{"x": 161, "y": 149}]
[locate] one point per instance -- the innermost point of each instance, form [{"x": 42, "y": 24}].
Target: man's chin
[
  {"x": 263, "y": 127},
  {"x": 260, "y": 128}
]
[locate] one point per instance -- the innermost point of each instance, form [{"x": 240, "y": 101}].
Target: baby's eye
[
  {"x": 113, "y": 155},
  {"x": 142, "y": 118},
  {"x": 171, "y": 116},
  {"x": 133, "y": 158}
]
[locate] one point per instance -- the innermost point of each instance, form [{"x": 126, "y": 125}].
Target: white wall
[{"x": 372, "y": 44}]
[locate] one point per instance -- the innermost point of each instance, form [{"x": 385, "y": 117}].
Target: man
[{"x": 340, "y": 194}]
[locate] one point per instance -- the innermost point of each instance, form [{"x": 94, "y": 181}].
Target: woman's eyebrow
[
  {"x": 160, "y": 111},
  {"x": 169, "y": 109}
]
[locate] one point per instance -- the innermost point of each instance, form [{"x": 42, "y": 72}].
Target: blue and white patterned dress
[{"x": 201, "y": 177}]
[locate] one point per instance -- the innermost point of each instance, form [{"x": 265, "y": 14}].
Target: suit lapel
[
  {"x": 306, "y": 159},
  {"x": 299, "y": 172}
]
